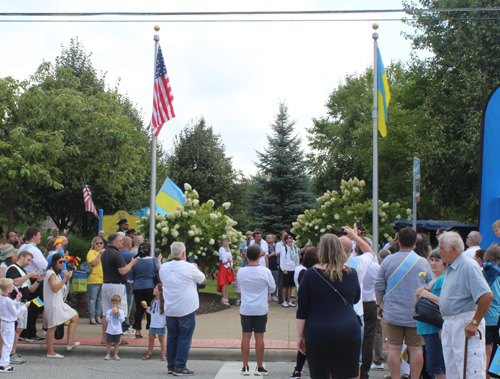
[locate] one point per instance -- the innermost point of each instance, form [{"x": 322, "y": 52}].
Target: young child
[
  {"x": 158, "y": 322},
  {"x": 9, "y": 313},
  {"x": 114, "y": 331}
]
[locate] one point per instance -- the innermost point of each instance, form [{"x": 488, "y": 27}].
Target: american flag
[
  {"x": 163, "y": 97},
  {"x": 87, "y": 199}
]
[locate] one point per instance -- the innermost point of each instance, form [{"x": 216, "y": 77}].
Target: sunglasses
[
  {"x": 98, "y": 243},
  {"x": 289, "y": 238},
  {"x": 61, "y": 261}
]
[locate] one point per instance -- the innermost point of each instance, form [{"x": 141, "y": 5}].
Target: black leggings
[
  {"x": 341, "y": 360},
  {"x": 301, "y": 360},
  {"x": 142, "y": 295}
]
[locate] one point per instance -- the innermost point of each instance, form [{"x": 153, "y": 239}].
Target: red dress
[{"x": 225, "y": 276}]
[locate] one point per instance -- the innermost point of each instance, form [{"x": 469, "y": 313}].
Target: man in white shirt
[
  {"x": 181, "y": 301},
  {"x": 473, "y": 240},
  {"x": 33, "y": 237},
  {"x": 254, "y": 282},
  {"x": 364, "y": 258},
  {"x": 283, "y": 235},
  {"x": 264, "y": 248}
]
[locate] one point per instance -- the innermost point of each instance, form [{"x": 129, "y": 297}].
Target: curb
[{"x": 134, "y": 352}]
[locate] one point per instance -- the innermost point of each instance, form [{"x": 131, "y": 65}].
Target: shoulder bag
[
  {"x": 342, "y": 297},
  {"x": 428, "y": 311}
]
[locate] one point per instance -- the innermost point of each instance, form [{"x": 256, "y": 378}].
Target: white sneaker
[
  {"x": 274, "y": 298},
  {"x": 106, "y": 358},
  {"x": 117, "y": 358},
  {"x": 290, "y": 304},
  {"x": 285, "y": 304},
  {"x": 375, "y": 367}
]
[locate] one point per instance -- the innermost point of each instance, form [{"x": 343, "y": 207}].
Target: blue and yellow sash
[{"x": 402, "y": 270}]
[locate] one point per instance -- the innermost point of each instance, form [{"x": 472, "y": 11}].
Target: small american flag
[
  {"x": 163, "y": 97},
  {"x": 87, "y": 199}
]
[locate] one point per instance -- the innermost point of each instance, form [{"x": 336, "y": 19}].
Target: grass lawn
[{"x": 212, "y": 288}]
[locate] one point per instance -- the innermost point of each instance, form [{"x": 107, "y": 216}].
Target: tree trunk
[
  {"x": 204, "y": 268},
  {"x": 9, "y": 206}
]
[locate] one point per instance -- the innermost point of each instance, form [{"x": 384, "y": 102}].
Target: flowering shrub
[
  {"x": 339, "y": 209},
  {"x": 199, "y": 227}
]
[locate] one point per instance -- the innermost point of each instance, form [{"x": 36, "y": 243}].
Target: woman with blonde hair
[
  {"x": 95, "y": 280},
  {"x": 327, "y": 325}
]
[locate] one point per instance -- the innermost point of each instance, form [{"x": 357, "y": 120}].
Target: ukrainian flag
[
  {"x": 383, "y": 95},
  {"x": 169, "y": 198}
]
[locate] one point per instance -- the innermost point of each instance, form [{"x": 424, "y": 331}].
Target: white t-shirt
[
  {"x": 115, "y": 322},
  {"x": 39, "y": 262},
  {"x": 365, "y": 260},
  {"x": 368, "y": 292},
  {"x": 471, "y": 251},
  {"x": 263, "y": 247},
  {"x": 179, "y": 279},
  {"x": 224, "y": 256},
  {"x": 254, "y": 283}
]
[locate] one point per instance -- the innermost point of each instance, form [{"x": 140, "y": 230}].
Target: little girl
[
  {"x": 226, "y": 273},
  {"x": 158, "y": 322}
]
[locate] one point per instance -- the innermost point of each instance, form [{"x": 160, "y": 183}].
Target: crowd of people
[{"x": 348, "y": 299}]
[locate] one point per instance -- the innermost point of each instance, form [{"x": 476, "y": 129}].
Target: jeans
[
  {"x": 179, "y": 335},
  {"x": 275, "y": 277},
  {"x": 280, "y": 286},
  {"x": 95, "y": 300},
  {"x": 243, "y": 262}
]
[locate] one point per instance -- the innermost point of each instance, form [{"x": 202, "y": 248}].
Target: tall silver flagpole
[
  {"x": 375, "y": 142},
  {"x": 152, "y": 202}
]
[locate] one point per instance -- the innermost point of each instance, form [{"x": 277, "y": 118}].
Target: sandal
[
  {"x": 163, "y": 358},
  {"x": 138, "y": 335},
  {"x": 92, "y": 322},
  {"x": 98, "y": 320},
  {"x": 147, "y": 357}
]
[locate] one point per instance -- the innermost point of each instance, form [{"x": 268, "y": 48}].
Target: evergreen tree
[{"x": 282, "y": 185}]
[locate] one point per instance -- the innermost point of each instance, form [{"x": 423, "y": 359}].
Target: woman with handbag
[
  {"x": 328, "y": 328},
  {"x": 142, "y": 278},
  {"x": 434, "y": 359},
  {"x": 94, "y": 280},
  {"x": 56, "y": 311}
]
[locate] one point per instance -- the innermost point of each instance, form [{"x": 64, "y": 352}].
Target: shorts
[
  {"x": 22, "y": 319},
  {"x": 108, "y": 290},
  {"x": 256, "y": 324},
  {"x": 434, "y": 359},
  {"x": 288, "y": 279},
  {"x": 113, "y": 338},
  {"x": 490, "y": 333},
  {"x": 395, "y": 335},
  {"x": 158, "y": 331}
]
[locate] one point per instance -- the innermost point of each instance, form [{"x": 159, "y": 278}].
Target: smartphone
[
  {"x": 359, "y": 223},
  {"x": 41, "y": 271}
]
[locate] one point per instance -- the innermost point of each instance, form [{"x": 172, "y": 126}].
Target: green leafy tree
[
  {"x": 199, "y": 158},
  {"x": 282, "y": 186},
  {"x": 342, "y": 208},
  {"x": 457, "y": 80},
  {"x": 342, "y": 142}
]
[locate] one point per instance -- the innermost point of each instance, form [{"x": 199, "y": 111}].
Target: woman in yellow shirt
[{"x": 94, "y": 280}]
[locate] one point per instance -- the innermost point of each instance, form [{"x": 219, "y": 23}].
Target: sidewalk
[{"x": 216, "y": 336}]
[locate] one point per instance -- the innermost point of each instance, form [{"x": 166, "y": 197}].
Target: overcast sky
[{"x": 233, "y": 74}]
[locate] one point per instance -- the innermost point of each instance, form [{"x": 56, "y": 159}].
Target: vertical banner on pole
[
  {"x": 416, "y": 189},
  {"x": 489, "y": 174}
]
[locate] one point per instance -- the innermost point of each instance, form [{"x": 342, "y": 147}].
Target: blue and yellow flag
[
  {"x": 169, "y": 198},
  {"x": 38, "y": 302},
  {"x": 383, "y": 95}
]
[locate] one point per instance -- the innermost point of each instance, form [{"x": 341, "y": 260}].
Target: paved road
[{"x": 39, "y": 367}]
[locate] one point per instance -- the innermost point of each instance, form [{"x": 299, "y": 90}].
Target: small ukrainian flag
[{"x": 38, "y": 302}]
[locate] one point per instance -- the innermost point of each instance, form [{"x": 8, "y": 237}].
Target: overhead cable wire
[
  {"x": 291, "y": 20},
  {"x": 258, "y": 13}
]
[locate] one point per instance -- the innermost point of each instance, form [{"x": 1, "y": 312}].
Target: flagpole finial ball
[
  {"x": 157, "y": 28},
  {"x": 375, "y": 26}
]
